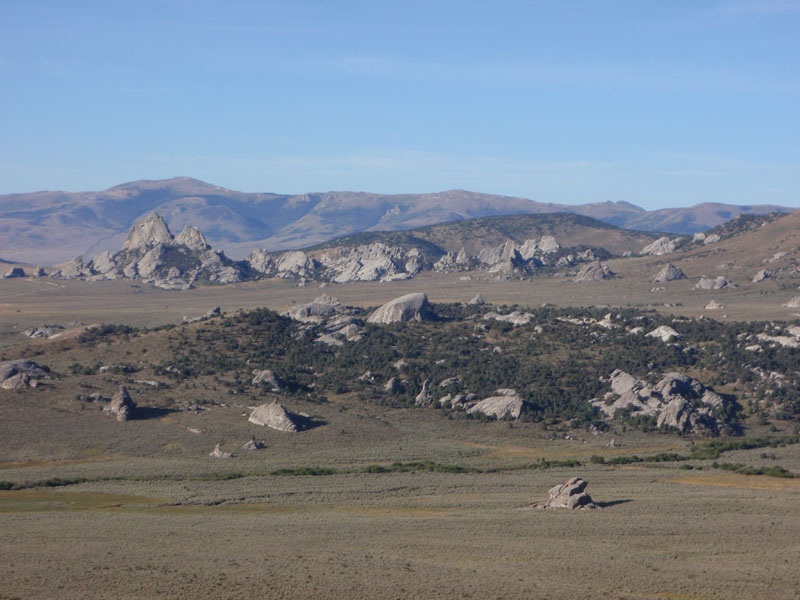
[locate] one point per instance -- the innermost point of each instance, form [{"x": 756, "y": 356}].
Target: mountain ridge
[{"x": 52, "y": 226}]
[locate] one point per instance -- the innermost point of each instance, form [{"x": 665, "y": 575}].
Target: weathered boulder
[
  {"x": 411, "y": 307},
  {"x": 268, "y": 379},
  {"x": 669, "y": 273},
  {"x": 317, "y": 311},
  {"x": 665, "y": 333},
  {"x": 20, "y": 373},
  {"x": 593, "y": 271},
  {"x": 714, "y": 305},
  {"x": 571, "y": 494},
  {"x": 662, "y": 245},
  {"x": 548, "y": 244},
  {"x": 121, "y": 406},
  {"x": 477, "y": 300},
  {"x": 275, "y": 416},
  {"x": 499, "y": 406}
]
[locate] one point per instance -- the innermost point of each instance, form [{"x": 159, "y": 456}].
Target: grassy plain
[{"x": 139, "y": 510}]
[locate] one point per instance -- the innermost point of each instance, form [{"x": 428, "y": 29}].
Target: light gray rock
[
  {"x": 411, "y": 307},
  {"x": 661, "y": 246},
  {"x": 393, "y": 386},
  {"x": 424, "y": 398},
  {"x": 711, "y": 239},
  {"x": 275, "y": 416},
  {"x": 43, "y": 332},
  {"x": 268, "y": 379},
  {"x": 548, "y": 244},
  {"x": 761, "y": 276},
  {"x": 253, "y": 445},
  {"x": 665, "y": 333},
  {"x": 516, "y": 318},
  {"x": 669, "y": 273},
  {"x": 571, "y": 495},
  {"x": 122, "y": 405},
  {"x": 148, "y": 232},
  {"x": 192, "y": 238},
  {"x": 717, "y": 283},
  {"x": 477, "y": 301},
  {"x": 714, "y": 305},
  {"x": 218, "y": 453},
  {"x": 593, "y": 271},
  {"x": 23, "y": 366},
  {"x": 499, "y": 407}
]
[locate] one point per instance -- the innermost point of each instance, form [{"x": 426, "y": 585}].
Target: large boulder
[
  {"x": 424, "y": 398},
  {"x": 315, "y": 312},
  {"x": 662, "y": 245},
  {"x": 571, "y": 494},
  {"x": 268, "y": 379},
  {"x": 121, "y": 406},
  {"x": 669, "y": 273},
  {"x": 411, "y": 307},
  {"x": 15, "y": 374},
  {"x": 594, "y": 271},
  {"x": 499, "y": 406},
  {"x": 665, "y": 333},
  {"x": 275, "y": 416}
]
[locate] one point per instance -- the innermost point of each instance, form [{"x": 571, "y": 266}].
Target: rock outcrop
[
  {"x": 594, "y": 271},
  {"x": 661, "y": 246},
  {"x": 508, "y": 404},
  {"x": 277, "y": 417},
  {"x": 571, "y": 494},
  {"x": 669, "y": 273},
  {"x": 411, "y": 307},
  {"x": 16, "y": 374},
  {"x": 45, "y": 331},
  {"x": 665, "y": 333},
  {"x": 268, "y": 380},
  {"x": 122, "y": 406},
  {"x": 477, "y": 301},
  {"x": 677, "y": 401},
  {"x": 152, "y": 254},
  {"x": 253, "y": 445},
  {"x": 217, "y": 452}
]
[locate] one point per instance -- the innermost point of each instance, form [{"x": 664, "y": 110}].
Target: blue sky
[{"x": 659, "y": 103}]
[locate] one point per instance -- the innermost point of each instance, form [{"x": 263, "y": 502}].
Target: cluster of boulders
[
  {"x": 17, "y": 374},
  {"x": 382, "y": 262},
  {"x": 506, "y": 403},
  {"x": 366, "y": 262},
  {"x": 665, "y": 245},
  {"x": 45, "y": 331},
  {"x": 677, "y": 401},
  {"x": 151, "y": 253}
]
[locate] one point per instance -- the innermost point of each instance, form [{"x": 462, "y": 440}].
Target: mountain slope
[{"x": 49, "y": 227}]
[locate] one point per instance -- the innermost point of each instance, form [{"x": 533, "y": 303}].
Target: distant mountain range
[{"x": 49, "y": 227}]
